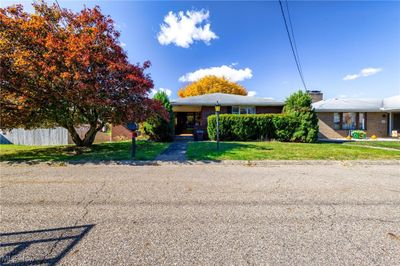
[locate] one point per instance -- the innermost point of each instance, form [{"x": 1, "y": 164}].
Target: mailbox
[{"x": 132, "y": 126}]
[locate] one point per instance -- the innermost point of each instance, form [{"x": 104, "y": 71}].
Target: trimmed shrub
[
  {"x": 241, "y": 127},
  {"x": 281, "y": 127},
  {"x": 284, "y": 127}
]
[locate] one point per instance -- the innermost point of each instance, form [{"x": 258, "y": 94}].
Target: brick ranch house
[
  {"x": 337, "y": 117},
  {"x": 191, "y": 112}
]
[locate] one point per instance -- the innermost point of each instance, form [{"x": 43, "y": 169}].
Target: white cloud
[
  {"x": 363, "y": 73},
  {"x": 251, "y": 93},
  {"x": 370, "y": 71},
  {"x": 351, "y": 77},
  {"x": 183, "y": 29},
  {"x": 154, "y": 91},
  {"x": 123, "y": 44},
  {"x": 228, "y": 72},
  {"x": 167, "y": 91}
]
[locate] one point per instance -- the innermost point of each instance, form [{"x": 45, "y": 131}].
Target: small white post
[{"x": 390, "y": 124}]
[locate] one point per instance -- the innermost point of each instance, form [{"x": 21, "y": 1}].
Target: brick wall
[
  {"x": 121, "y": 133},
  {"x": 374, "y": 126},
  {"x": 269, "y": 109},
  {"x": 207, "y": 111},
  {"x": 326, "y": 127}
]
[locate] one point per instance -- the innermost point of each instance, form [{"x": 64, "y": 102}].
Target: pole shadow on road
[{"x": 47, "y": 246}]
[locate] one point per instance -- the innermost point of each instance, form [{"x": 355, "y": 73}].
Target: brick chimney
[{"x": 316, "y": 96}]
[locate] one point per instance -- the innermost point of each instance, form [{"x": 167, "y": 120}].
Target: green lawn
[
  {"x": 384, "y": 144},
  {"x": 285, "y": 151},
  {"x": 104, "y": 151}
]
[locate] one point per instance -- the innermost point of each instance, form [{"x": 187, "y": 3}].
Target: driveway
[{"x": 200, "y": 214}]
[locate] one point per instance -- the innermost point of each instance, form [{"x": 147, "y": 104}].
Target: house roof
[
  {"x": 358, "y": 105},
  {"x": 225, "y": 100}
]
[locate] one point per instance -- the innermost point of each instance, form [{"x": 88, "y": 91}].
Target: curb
[{"x": 259, "y": 163}]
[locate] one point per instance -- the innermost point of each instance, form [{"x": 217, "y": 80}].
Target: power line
[
  {"x": 292, "y": 43},
  {"x": 59, "y": 7},
  {"x": 294, "y": 39}
]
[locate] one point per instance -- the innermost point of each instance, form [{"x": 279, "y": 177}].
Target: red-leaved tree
[{"x": 60, "y": 68}]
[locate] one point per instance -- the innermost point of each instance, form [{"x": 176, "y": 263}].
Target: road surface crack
[{"x": 86, "y": 208}]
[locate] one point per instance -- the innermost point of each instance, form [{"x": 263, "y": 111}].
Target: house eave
[
  {"x": 229, "y": 104},
  {"x": 350, "y": 110}
]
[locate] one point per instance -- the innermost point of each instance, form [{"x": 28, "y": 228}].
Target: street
[{"x": 335, "y": 214}]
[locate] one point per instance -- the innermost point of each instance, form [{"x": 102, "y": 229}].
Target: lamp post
[{"x": 217, "y": 109}]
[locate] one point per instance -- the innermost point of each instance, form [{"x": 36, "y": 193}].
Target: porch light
[{"x": 217, "y": 107}]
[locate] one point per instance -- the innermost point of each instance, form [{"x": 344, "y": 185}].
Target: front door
[
  {"x": 185, "y": 122},
  {"x": 396, "y": 121}
]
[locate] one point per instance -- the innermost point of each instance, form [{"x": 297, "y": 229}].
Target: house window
[
  {"x": 349, "y": 121},
  {"x": 336, "y": 121},
  {"x": 243, "y": 110},
  {"x": 361, "y": 121}
]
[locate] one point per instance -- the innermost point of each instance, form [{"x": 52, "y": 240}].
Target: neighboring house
[
  {"x": 191, "y": 112},
  {"x": 338, "y": 116}
]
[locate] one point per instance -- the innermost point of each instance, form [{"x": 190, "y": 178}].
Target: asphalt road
[{"x": 200, "y": 214}]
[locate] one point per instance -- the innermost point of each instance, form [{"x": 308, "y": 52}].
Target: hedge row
[{"x": 281, "y": 127}]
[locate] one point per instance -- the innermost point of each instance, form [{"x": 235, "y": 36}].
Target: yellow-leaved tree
[{"x": 211, "y": 84}]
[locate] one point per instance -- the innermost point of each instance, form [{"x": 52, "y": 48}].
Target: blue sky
[{"x": 346, "y": 48}]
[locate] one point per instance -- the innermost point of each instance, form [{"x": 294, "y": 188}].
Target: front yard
[
  {"x": 105, "y": 151},
  {"x": 146, "y": 150},
  {"x": 291, "y": 151}
]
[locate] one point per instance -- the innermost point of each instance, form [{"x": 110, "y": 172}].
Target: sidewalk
[{"x": 175, "y": 152}]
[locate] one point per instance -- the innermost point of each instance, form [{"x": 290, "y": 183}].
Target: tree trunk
[
  {"x": 75, "y": 136},
  {"x": 89, "y": 137}
]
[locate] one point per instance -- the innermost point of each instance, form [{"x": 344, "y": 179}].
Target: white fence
[{"x": 40, "y": 136}]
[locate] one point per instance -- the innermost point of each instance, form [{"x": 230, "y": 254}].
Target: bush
[
  {"x": 248, "y": 127},
  {"x": 281, "y": 127},
  {"x": 298, "y": 105},
  {"x": 284, "y": 127},
  {"x": 157, "y": 128}
]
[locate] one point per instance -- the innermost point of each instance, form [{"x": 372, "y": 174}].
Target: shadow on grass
[
  {"x": 145, "y": 150},
  {"x": 36, "y": 247}
]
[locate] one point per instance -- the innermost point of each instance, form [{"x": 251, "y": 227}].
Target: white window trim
[{"x": 247, "y": 107}]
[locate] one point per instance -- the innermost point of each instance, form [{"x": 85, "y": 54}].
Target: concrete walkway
[{"x": 176, "y": 151}]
